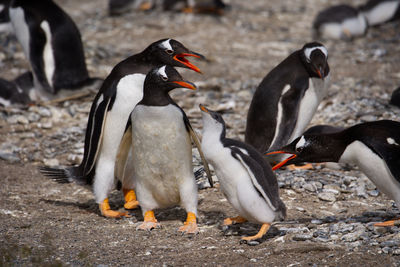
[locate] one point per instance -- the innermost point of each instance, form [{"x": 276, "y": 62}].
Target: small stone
[
  {"x": 310, "y": 187},
  {"x": 253, "y": 260},
  {"x": 373, "y": 193},
  {"x": 10, "y": 157},
  {"x": 302, "y": 237},
  {"x": 331, "y": 190},
  {"x": 327, "y": 196},
  {"x": 316, "y": 221},
  {"x": 253, "y": 243},
  {"x": 33, "y": 117},
  {"x": 386, "y": 250},
  {"x": 46, "y": 125},
  {"x": 390, "y": 243},
  {"x": 51, "y": 162},
  {"x": 396, "y": 251},
  {"x": 44, "y": 112}
]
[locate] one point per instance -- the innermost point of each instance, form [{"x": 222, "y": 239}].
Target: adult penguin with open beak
[
  {"x": 373, "y": 146},
  {"x": 109, "y": 124}
]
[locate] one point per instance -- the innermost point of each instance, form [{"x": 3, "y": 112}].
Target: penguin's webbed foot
[
  {"x": 106, "y": 211},
  {"x": 149, "y": 222},
  {"x": 190, "y": 226},
  {"x": 130, "y": 199},
  {"x": 388, "y": 223},
  {"x": 237, "y": 219},
  {"x": 264, "y": 229}
]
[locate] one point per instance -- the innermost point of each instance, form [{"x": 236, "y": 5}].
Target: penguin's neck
[
  {"x": 213, "y": 134},
  {"x": 156, "y": 97}
]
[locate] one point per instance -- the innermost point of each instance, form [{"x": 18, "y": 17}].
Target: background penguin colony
[{"x": 15, "y": 89}]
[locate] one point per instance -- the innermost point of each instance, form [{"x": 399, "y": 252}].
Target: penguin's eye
[
  {"x": 169, "y": 51},
  {"x": 299, "y": 149},
  {"x": 164, "y": 78}
]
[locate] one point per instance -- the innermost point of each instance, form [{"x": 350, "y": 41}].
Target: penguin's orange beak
[
  {"x": 181, "y": 58},
  {"x": 203, "y": 108},
  {"x": 185, "y": 84},
  {"x": 283, "y": 162}
]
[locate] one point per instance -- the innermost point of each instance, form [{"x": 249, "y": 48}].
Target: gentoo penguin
[
  {"x": 380, "y": 11},
  {"x": 287, "y": 98},
  {"x": 373, "y": 146},
  {"x": 108, "y": 119},
  {"x": 52, "y": 44},
  {"x": 162, "y": 150},
  {"x": 339, "y": 22},
  {"x": 245, "y": 178},
  {"x": 395, "y": 99}
]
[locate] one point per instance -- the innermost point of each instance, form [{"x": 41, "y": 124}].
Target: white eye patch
[
  {"x": 301, "y": 143},
  {"x": 161, "y": 72},
  {"x": 308, "y": 51},
  {"x": 166, "y": 44}
]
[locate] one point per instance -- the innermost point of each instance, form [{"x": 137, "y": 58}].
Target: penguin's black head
[
  {"x": 172, "y": 52},
  {"x": 212, "y": 121},
  {"x": 308, "y": 148},
  {"x": 164, "y": 79},
  {"x": 315, "y": 58}
]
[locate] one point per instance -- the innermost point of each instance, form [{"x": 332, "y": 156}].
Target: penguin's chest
[
  {"x": 162, "y": 150},
  {"x": 309, "y": 104},
  {"x": 374, "y": 167}
]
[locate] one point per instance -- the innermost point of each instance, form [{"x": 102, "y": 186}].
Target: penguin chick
[
  {"x": 162, "y": 150},
  {"x": 340, "y": 22},
  {"x": 109, "y": 125},
  {"x": 287, "y": 98},
  {"x": 246, "y": 179},
  {"x": 373, "y": 146}
]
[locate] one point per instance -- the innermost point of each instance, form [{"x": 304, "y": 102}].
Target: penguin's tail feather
[{"x": 64, "y": 175}]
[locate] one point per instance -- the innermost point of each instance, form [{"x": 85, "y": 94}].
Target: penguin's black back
[
  {"x": 263, "y": 108},
  {"x": 261, "y": 169},
  {"x": 337, "y": 13}
]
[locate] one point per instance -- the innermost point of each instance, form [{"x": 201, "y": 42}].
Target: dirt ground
[{"x": 43, "y": 223}]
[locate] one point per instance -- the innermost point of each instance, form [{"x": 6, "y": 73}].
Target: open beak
[
  {"x": 320, "y": 73},
  {"x": 186, "y": 84},
  {"x": 181, "y": 58},
  {"x": 283, "y": 162},
  {"x": 203, "y": 108}
]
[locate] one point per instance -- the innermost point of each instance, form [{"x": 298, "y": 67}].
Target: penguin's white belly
[
  {"x": 162, "y": 155},
  {"x": 352, "y": 26},
  {"x": 236, "y": 184},
  {"x": 129, "y": 93},
  {"x": 374, "y": 168},
  {"x": 309, "y": 104},
  {"x": 382, "y": 12}
]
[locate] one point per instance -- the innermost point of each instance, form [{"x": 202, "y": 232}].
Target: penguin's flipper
[
  {"x": 195, "y": 139},
  {"x": 258, "y": 178},
  {"x": 123, "y": 152},
  {"x": 94, "y": 134},
  {"x": 290, "y": 103}
]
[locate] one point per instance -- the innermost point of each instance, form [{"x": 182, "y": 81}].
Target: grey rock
[
  {"x": 396, "y": 251},
  {"x": 10, "y": 157},
  {"x": 253, "y": 243},
  {"x": 51, "y": 162},
  {"x": 310, "y": 187},
  {"x": 44, "y": 112},
  {"x": 386, "y": 250},
  {"x": 353, "y": 236},
  {"x": 33, "y": 117},
  {"x": 302, "y": 237},
  {"x": 327, "y": 196},
  {"x": 373, "y": 193},
  {"x": 390, "y": 243}
]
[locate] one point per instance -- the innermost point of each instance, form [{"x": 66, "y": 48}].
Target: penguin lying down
[
  {"x": 373, "y": 146},
  {"x": 246, "y": 179}
]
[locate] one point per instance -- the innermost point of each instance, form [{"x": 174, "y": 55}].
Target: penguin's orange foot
[
  {"x": 106, "y": 211},
  {"x": 145, "y": 6},
  {"x": 190, "y": 226},
  {"x": 149, "y": 222},
  {"x": 264, "y": 229},
  {"x": 307, "y": 166},
  {"x": 388, "y": 223},
  {"x": 188, "y": 10},
  {"x": 237, "y": 219},
  {"x": 130, "y": 199}
]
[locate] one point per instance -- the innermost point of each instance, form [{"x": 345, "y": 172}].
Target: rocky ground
[{"x": 331, "y": 210}]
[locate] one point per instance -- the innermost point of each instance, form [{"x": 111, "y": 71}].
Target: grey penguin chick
[{"x": 246, "y": 179}]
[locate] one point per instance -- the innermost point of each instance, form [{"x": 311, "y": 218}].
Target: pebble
[
  {"x": 51, "y": 162},
  {"x": 10, "y": 157},
  {"x": 302, "y": 237},
  {"x": 253, "y": 243},
  {"x": 390, "y": 243},
  {"x": 327, "y": 196}
]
